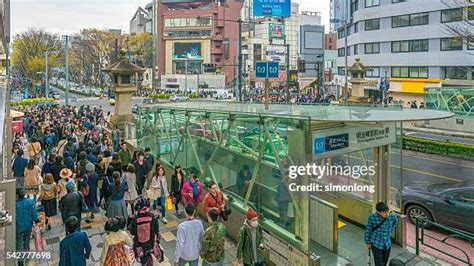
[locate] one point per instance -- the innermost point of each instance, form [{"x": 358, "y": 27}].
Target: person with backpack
[
  {"x": 34, "y": 150},
  {"x": 48, "y": 141},
  {"x": 250, "y": 246},
  {"x": 117, "y": 244},
  {"x": 188, "y": 238},
  {"x": 213, "y": 242},
  {"x": 380, "y": 226},
  {"x": 75, "y": 249},
  {"x": 144, "y": 228},
  {"x": 48, "y": 166}
]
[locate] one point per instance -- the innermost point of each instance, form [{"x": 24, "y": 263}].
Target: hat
[
  {"x": 65, "y": 173},
  {"x": 251, "y": 214},
  {"x": 70, "y": 185},
  {"x": 90, "y": 167}
]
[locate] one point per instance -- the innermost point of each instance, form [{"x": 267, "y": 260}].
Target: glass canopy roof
[{"x": 314, "y": 112}]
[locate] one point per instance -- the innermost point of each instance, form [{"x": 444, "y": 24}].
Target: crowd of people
[{"x": 66, "y": 163}]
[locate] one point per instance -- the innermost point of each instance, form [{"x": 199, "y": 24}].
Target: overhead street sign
[
  {"x": 267, "y": 69},
  {"x": 266, "y": 8}
]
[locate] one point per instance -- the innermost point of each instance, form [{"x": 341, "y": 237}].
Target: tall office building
[{"x": 409, "y": 41}]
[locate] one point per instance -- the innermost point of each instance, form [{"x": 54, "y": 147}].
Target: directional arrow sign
[{"x": 273, "y": 68}]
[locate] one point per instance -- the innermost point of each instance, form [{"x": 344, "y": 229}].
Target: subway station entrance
[{"x": 254, "y": 154}]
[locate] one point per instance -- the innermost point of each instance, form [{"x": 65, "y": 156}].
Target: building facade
[
  {"x": 140, "y": 22},
  {"x": 409, "y": 42},
  {"x": 198, "y": 43},
  {"x": 312, "y": 56}
]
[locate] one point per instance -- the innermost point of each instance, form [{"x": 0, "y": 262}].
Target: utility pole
[
  {"x": 267, "y": 87},
  {"x": 46, "y": 82},
  {"x": 287, "y": 72},
  {"x": 66, "y": 101},
  {"x": 346, "y": 83},
  {"x": 239, "y": 71},
  {"x": 155, "y": 35},
  {"x": 186, "y": 77}
]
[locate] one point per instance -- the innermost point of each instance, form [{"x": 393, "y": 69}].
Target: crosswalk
[{"x": 90, "y": 99}]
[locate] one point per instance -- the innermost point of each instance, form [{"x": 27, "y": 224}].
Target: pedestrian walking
[
  {"x": 145, "y": 231},
  {"x": 116, "y": 206},
  {"x": 68, "y": 161},
  {"x": 117, "y": 244},
  {"x": 32, "y": 178},
  {"x": 66, "y": 176},
  {"x": 192, "y": 191},
  {"x": 214, "y": 199},
  {"x": 380, "y": 226},
  {"x": 250, "y": 246},
  {"x": 125, "y": 155},
  {"x": 157, "y": 191},
  {"x": 57, "y": 167},
  {"x": 91, "y": 178},
  {"x": 131, "y": 194},
  {"x": 75, "y": 249},
  {"x": 141, "y": 171},
  {"x": 72, "y": 204},
  {"x": 116, "y": 163},
  {"x": 18, "y": 168},
  {"x": 34, "y": 150},
  {"x": 48, "y": 166},
  {"x": 177, "y": 182},
  {"x": 149, "y": 159},
  {"x": 188, "y": 239},
  {"x": 213, "y": 242},
  {"x": 48, "y": 195},
  {"x": 26, "y": 214},
  {"x": 116, "y": 135}
]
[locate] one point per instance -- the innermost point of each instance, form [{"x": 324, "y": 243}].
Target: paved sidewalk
[{"x": 95, "y": 231}]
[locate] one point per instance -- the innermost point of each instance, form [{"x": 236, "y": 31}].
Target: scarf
[{"x": 194, "y": 185}]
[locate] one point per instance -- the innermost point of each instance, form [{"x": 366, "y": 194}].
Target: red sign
[{"x": 17, "y": 126}]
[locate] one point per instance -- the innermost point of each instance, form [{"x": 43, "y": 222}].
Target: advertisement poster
[
  {"x": 266, "y": 8},
  {"x": 276, "y": 31},
  {"x": 276, "y": 53}
]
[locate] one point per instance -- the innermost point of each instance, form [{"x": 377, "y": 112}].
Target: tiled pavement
[{"x": 96, "y": 233}]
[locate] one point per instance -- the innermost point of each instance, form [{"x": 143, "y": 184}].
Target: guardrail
[{"x": 420, "y": 235}]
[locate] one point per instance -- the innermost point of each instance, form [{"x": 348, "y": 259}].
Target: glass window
[
  {"x": 470, "y": 43},
  {"x": 372, "y": 48},
  {"x": 356, "y": 27},
  {"x": 451, "y": 44},
  {"x": 369, "y": 3},
  {"x": 341, "y": 71},
  {"x": 340, "y": 52},
  {"x": 457, "y": 72},
  {"x": 375, "y": 73},
  {"x": 348, "y": 51},
  {"x": 451, "y": 15},
  {"x": 410, "y": 46},
  {"x": 398, "y": 1},
  {"x": 401, "y": 21},
  {"x": 410, "y": 72},
  {"x": 419, "y": 19},
  {"x": 470, "y": 13},
  {"x": 340, "y": 33},
  {"x": 354, "y": 6},
  {"x": 372, "y": 24},
  {"x": 356, "y": 51}
]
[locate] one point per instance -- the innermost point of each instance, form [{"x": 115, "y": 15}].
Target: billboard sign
[
  {"x": 276, "y": 53},
  {"x": 272, "y": 8},
  {"x": 187, "y": 50},
  {"x": 276, "y": 32},
  {"x": 267, "y": 69}
]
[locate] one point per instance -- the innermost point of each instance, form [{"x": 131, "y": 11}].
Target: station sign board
[
  {"x": 272, "y": 8},
  {"x": 352, "y": 138},
  {"x": 267, "y": 69}
]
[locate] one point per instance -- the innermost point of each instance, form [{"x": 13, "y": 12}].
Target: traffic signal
[
  {"x": 301, "y": 65},
  {"x": 210, "y": 68}
]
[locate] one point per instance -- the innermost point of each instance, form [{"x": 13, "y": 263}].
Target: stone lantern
[
  {"x": 358, "y": 81},
  {"x": 122, "y": 73}
]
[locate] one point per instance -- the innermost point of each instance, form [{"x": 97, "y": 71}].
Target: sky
[{"x": 69, "y": 16}]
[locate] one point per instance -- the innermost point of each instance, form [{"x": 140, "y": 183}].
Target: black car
[{"x": 445, "y": 203}]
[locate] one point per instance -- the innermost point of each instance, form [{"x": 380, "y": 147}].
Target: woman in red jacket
[{"x": 192, "y": 191}]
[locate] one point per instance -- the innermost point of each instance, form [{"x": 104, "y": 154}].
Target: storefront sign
[
  {"x": 276, "y": 53},
  {"x": 352, "y": 138}
]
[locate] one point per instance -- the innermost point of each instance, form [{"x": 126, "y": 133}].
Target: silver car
[{"x": 179, "y": 98}]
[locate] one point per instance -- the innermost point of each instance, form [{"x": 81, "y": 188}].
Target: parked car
[
  {"x": 201, "y": 129},
  {"x": 179, "y": 98},
  {"x": 448, "y": 204}
]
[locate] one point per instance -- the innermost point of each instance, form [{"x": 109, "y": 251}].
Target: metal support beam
[{"x": 382, "y": 182}]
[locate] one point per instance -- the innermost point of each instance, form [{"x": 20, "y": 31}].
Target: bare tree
[{"x": 463, "y": 28}]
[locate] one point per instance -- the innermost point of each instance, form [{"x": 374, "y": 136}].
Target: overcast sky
[{"x": 69, "y": 16}]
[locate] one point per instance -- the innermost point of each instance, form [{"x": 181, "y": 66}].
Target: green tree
[
  {"x": 29, "y": 49},
  {"x": 141, "y": 48}
]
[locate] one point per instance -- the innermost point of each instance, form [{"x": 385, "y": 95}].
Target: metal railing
[{"x": 420, "y": 235}]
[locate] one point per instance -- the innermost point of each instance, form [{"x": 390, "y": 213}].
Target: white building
[{"x": 409, "y": 42}]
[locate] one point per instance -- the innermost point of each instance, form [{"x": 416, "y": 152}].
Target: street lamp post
[
  {"x": 346, "y": 84},
  {"x": 46, "y": 82},
  {"x": 66, "y": 83}
]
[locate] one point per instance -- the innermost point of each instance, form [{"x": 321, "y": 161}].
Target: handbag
[
  {"x": 169, "y": 204},
  {"x": 39, "y": 245},
  {"x": 227, "y": 208},
  {"x": 157, "y": 250}
]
